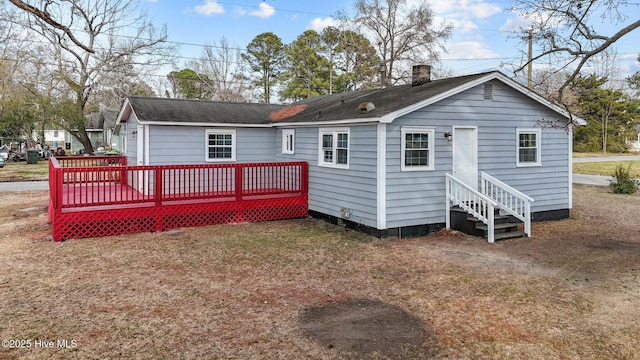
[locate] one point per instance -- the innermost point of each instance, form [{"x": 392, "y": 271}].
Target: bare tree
[
  {"x": 564, "y": 30},
  {"x": 43, "y": 14},
  {"x": 224, "y": 72},
  {"x": 90, "y": 42},
  {"x": 402, "y": 32}
]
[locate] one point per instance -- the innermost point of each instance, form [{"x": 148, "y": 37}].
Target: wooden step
[
  {"x": 505, "y": 226},
  {"x": 509, "y": 235}
]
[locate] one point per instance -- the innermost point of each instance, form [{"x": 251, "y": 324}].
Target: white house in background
[
  {"x": 379, "y": 159},
  {"x": 634, "y": 144},
  {"x": 56, "y": 138}
]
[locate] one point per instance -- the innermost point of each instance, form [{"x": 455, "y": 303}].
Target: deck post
[
  {"x": 123, "y": 172},
  {"x": 304, "y": 174},
  {"x": 239, "y": 170},
  {"x": 447, "y": 214},
  {"x": 158, "y": 194}
]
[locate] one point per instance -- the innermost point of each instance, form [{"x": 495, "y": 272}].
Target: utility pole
[{"x": 530, "y": 62}]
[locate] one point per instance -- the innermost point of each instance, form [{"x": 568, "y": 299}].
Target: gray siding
[
  {"x": 418, "y": 197},
  {"x": 131, "y": 153},
  {"x": 187, "y": 145},
  {"x": 412, "y": 197},
  {"x": 331, "y": 189}
]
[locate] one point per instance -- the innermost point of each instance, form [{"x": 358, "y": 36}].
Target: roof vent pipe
[{"x": 421, "y": 75}]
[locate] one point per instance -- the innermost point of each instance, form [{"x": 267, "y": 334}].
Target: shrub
[{"x": 623, "y": 183}]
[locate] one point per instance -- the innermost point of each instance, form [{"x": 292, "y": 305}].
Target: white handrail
[
  {"x": 511, "y": 200},
  {"x": 472, "y": 201}
]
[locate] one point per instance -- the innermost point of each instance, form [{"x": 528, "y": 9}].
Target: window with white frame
[
  {"x": 221, "y": 145},
  {"x": 417, "y": 148},
  {"x": 529, "y": 147},
  {"x": 288, "y": 141},
  {"x": 334, "y": 147}
]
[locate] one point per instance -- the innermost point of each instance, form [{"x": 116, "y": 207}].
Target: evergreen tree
[
  {"x": 265, "y": 54},
  {"x": 609, "y": 115},
  {"x": 307, "y": 69}
]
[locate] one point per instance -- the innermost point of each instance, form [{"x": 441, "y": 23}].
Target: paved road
[
  {"x": 596, "y": 179},
  {"x": 607, "y": 158},
  {"x": 24, "y": 186},
  {"x": 591, "y": 179}
]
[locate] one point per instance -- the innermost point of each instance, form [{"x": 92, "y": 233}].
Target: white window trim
[
  {"x": 224, "y": 132},
  {"x": 538, "y": 133},
  {"x": 403, "y": 142},
  {"x": 334, "y": 132},
  {"x": 286, "y": 133}
]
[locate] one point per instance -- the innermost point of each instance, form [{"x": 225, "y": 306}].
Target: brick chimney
[{"x": 421, "y": 75}]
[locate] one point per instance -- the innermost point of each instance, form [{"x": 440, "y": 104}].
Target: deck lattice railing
[{"x": 104, "y": 186}]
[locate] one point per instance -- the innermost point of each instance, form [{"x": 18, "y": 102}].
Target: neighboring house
[
  {"x": 108, "y": 123},
  {"x": 4, "y": 152},
  {"x": 99, "y": 127},
  {"x": 56, "y": 138},
  {"x": 634, "y": 144},
  {"x": 377, "y": 158}
]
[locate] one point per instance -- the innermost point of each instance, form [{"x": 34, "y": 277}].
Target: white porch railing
[
  {"x": 472, "y": 201},
  {"x": 510, "y": 200}
]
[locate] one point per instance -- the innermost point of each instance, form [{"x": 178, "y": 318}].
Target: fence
[{"x": 101, "y": 195}]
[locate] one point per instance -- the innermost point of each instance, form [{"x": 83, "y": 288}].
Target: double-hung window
[
  {"x": 529, "y": 147},
  {"x": 221, "y": 145},
  {"x": 334, "y": 147},
  {"x": 417, "y": 148},
  {"x": 288, "y": 141}
]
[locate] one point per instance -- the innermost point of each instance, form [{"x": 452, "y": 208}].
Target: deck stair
[{"x": 496, "y": 212}]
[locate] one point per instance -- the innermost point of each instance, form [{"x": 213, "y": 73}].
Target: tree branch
[{"x": 44, "y": 16}]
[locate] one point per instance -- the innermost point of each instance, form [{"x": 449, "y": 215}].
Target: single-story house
[{"x": 378, "y": 158}]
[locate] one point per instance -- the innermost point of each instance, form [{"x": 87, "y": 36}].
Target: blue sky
[{"x": 483, "y": 35}]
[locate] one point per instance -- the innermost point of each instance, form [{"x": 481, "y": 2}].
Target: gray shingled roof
[
  {"x": 200, "y": 111},
  {"x": 347, "y": 105},
  {"x": 337, "y": 107}
]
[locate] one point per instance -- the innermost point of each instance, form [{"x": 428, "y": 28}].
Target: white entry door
[{"x": 465, "y": 155}]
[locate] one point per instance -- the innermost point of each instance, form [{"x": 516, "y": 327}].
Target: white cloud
[
  {"x": 209, "y": 7},
  {"x": 465, "y": 9},
  {"x": 516, "y": 24},
  {"x": 264, "y": 11},
  {"x": 240, "y": 11},
  {"x": 464, "y": 26},
  {"x": 468, "y": 50},
  {"x": 318, "y": 24}
]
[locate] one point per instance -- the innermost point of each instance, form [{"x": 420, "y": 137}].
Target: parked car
[{"x": 2, "y": 161}]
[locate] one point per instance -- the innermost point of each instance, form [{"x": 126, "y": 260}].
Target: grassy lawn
[
  {"x": 606, "y": 168},
  {"x": 242, "y": 291},
  {"x": 25, "y": 172}
]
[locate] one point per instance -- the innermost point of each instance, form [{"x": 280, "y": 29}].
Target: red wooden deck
[{"x": 100, "y": 196}]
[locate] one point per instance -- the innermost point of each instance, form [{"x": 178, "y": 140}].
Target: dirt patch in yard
[
  {"x": 362, "y": 325},
  {"x": 285, "y": 289}
]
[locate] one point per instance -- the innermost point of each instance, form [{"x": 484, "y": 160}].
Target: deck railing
[
  {"x": 509, "y": 199},
  {"x": 471, "y": 201},
  {"x": 254, "y": 191}
]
